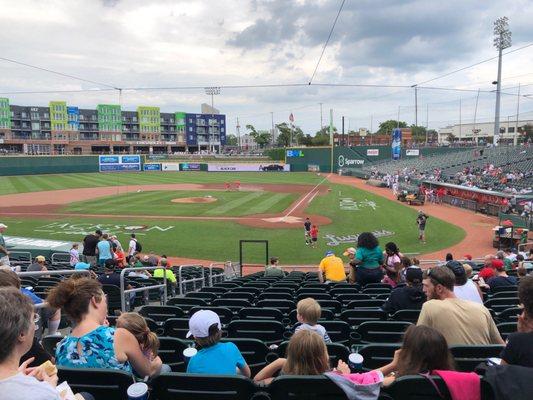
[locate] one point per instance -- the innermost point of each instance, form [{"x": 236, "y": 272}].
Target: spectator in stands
[
  {"x": 17, "y": 333},
  {"x": 449, "y": 257},
  {"x": 459, "y": 321},
  {"x": 4, "y": 253},
  {"x": 38, "y": 265},
  {"x": 308, "y": 313},
  {"x": 368, "y": 259},
  {"x": 519, "y": 349},
  {"x": 132, "y": 246},
  {"x": 464, "y": 288},
  {"x": 89, "y": 246},
  {"x": 468, "y": 261},
  {"x": 112, "y": 277},
  {"x": 500, "y": 278},
  {"x": 115, "y": 241},
  {"x": 332, "y": 268},
  {"x": 74, "y": 255},
  {"x": 487, "y": 271},
  {"x": 148, "y": 340},
  {"x": 118, "y": 256},
  {"x": 408, "y": 297},
  {"x": 392, "y": 264},
  {"x": 160, "y": 273},
  {"x": 92, "y": 344},
  {"x": 273, "y": 269},
  {"x": 9, "y": 279},
  {"x": 103, "y": 249},
  {"x": 213, "y": 357},
  {"x": 424, "y": 349}
]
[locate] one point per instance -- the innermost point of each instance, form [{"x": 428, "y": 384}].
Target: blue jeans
[{"x": 368, "y": 275}]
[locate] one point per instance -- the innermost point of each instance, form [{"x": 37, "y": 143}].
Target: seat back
[
  {"x": 272, "y": 314},
  {"x": 406, "y": 315},
  {"x": 171, "y": 352},
  {"x": 113, "y": 298},
  {"x": 176, "y": 386},
  {"x": 509, "y": 314},
  {"x": 270, "y": 332},
  {"x": 338, "y": 331},
  {"x": 224, "y": 313},
  {"x": 468, "y": 357},
  {"x": 304, "y": 387},
  {"x": 254, "y": 352},
  {"x": 285, "y": 306},
  {"x": 161, "y": 313},
  {"x": 176, "y": 327},
  {"x": 332, "y": 305},
  {"x": 353, "y": 305},
  {"x": 358, "y": 316},
  {"x": 186, "y": 303},
  {"x": 382, "y": 331},
  {"x": 415, "y": 387},
  {"x": 101, "y": 383},
  {"x": 376, "y": 355},
  {"x": 506, "y": 328}
]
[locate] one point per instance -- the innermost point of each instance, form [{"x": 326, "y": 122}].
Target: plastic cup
[
  {"x": 494, "y": 361},
  {"x": 355, "y": 361},
  {"x": 138, "y": 391},
  {"x": 188, "y": 353}
]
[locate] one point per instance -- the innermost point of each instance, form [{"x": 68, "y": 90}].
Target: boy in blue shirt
[{"x": 213, "y": 357}]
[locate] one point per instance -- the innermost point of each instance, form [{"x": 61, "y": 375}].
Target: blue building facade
[
  {"x": 204, "y": 130},
  {"x": 73, "y": 118}
]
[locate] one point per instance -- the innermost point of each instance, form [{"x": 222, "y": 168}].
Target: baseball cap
[
  {"x": 456, "y": 267},
  {"x": 349, "y": 250},
  {"x": 468, "y": 257},
  {"x": 413, "y": 273},
  {"x": 200, "y": 323},
  {"x": 329, "y": 253},
  {"x": 3, "y": 226},
  {"x": 40, "y": 259},
  {"x": 497, "y": 264}
]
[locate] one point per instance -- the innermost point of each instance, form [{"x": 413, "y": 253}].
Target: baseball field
[{"x": 196, "y": 215}]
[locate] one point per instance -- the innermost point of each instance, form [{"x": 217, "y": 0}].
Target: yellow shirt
[
  {"x": 158, "y": 273},
  {"x": 333, "y": 268}
]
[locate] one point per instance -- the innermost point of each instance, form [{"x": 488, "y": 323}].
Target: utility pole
[
  {"x": 502, "y": 40},
  {"x": 416, "y": 105},
  {"x": 343, "y": 137},
  {"x": 272, "y": 132},
  {"x": 515, "y": 141},
  {"x": 460, "y": 120},
  {"x": 398, "y": 121},
  {"x": 475, "y": 118},
  {"x": 427, "y": 123},
  {"x": 238, "y": 134},
  {"x": 321, "y": 121}
]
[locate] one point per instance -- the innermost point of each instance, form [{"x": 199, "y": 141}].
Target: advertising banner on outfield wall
[
  {"x": 171, "y": 167},
  {"x": 412, "y": 152},
  {"x": 190, "y": 167},
  {"x": 111, "y": 163},
  {"x": 152, "y": 167},
  {"x": 372, "y": 152},
  {"x": 396, "y": 143},
  {"x": 248, "y": 167}
]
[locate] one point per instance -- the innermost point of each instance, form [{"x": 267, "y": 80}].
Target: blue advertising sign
[
  {"x": 152, "y": 167},
  {"x": 109, "y": 159},
  {"x": 131, "y": 159},
  {"x": 396, "y": 143},
  {"x": 190, "y": 167},
  {"x": 295, "y": 153}
]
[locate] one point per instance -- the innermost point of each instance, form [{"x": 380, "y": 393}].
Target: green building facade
[
  {"x": 180, "y": 118},
  {"x": 58, "y": 115},
  {"x": 109, "y": 117},
  {"x": 5, "y": 113},
  {"x": 149, "y": 119}
]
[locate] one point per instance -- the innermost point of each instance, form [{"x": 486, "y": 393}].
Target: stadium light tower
[
  {"x": 212, "y": 91},
  {"x": 502, "y": 40}
]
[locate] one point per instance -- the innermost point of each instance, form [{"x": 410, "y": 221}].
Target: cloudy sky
[{"x": 177, "y": 43}]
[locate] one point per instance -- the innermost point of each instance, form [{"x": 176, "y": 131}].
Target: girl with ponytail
[{"x": 137, "y": 326}]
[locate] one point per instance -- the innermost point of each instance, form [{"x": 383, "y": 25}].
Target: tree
[
  {"x": 527, "y": 131},
  {"x": 286, "y": 133},
  {"x": 386, "y": 127},
  {"x": 262, "y": 138},
  {"x": 231, "y": 140},
  {"x": 419, "y": 133},
  {"x": 451, "y": 138}
]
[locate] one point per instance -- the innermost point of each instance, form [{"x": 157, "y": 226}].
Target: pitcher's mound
[{"x": 195, "y": 200}]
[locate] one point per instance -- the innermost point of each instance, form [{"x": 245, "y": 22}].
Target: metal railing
[
  {"x": 124, "y": 291},
  {"x": 14, "y": 255},
  {"x": 50, "y": 273},
  {"x": 182, "y": 282},
  {"x": 212, "y": 276}
]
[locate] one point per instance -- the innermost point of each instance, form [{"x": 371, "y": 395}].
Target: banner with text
[
  {"x": 396, "y": 143},
  {"x": 248, "y": 167},
  {"x": 112, "y": 163}
]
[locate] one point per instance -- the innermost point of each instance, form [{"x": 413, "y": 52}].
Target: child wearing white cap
[{"x": 213, "y": 357}]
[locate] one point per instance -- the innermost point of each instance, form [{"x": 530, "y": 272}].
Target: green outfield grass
[
  {"x": 218, "y": 240},
  {"x": 229, "y": 204},
  {"x": 36, "y": 183}
]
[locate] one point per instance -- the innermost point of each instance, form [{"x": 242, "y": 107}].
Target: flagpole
[{"x": 331, "y": 136}]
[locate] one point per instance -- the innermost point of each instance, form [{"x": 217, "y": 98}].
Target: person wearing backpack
[{"x": 134, "y": 246}]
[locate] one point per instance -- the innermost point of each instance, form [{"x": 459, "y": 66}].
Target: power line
[
  {"x": 57, "y": 73},
  {"x": 327, "y": 41},
  {"x": 472, "y": 65}
]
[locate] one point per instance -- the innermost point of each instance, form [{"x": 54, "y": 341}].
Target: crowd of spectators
[{"x": 449, "y": 297}]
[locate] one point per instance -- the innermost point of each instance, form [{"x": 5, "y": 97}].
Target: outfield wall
[
  {"x": 36, "y": 165},
  {"x": 319, "y": 158}
]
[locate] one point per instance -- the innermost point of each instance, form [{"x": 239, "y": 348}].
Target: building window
[
  {"x": 510, "y": 129},
  {"x": 23, "y": 115}
]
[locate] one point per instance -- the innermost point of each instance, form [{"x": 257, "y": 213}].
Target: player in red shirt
[{"x": 314, "y": 236}]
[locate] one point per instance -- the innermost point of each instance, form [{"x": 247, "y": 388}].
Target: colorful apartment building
[{"x": 64, "y": 129}]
